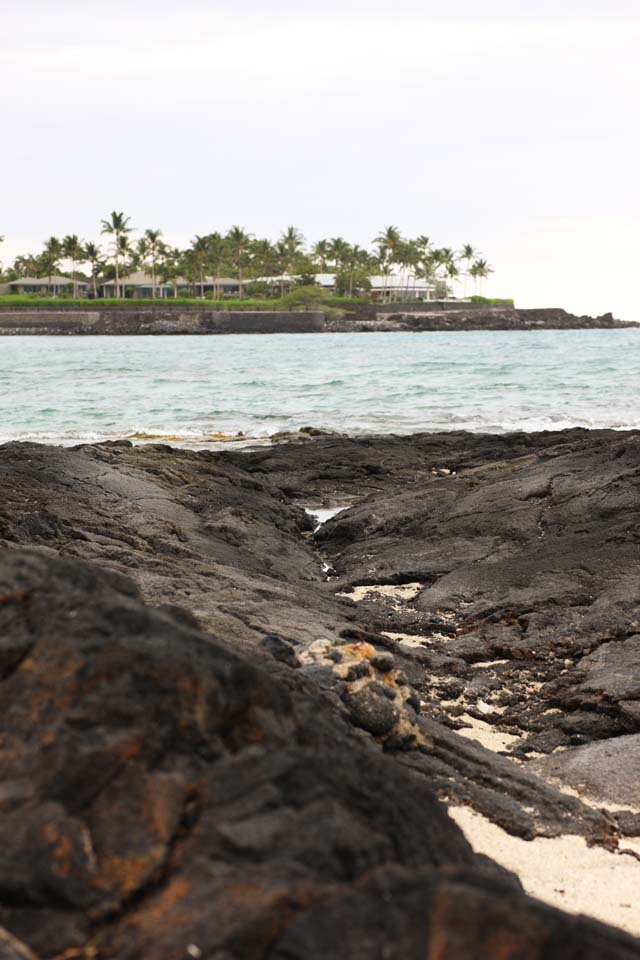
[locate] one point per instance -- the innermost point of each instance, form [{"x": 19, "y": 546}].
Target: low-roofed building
[
  {"x": 48, "y": 285},
  {"x": 140, "y": 286}
]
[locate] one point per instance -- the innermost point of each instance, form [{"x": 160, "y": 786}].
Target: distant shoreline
[{"x": 158, "y": 320}]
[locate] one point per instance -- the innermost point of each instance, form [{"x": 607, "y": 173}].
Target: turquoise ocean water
[{"x": 189, "y": 389}]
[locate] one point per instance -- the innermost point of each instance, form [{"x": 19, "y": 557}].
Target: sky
[{"x": 512, "y": 129}]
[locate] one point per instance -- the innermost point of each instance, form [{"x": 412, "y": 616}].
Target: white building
[
  {"x": 404, "y": 285},
  {"x": 401, "y": 286}
]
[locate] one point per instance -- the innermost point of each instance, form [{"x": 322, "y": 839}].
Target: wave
[
  {"x": 183, "y": 392},
  {"x": 376, "y": 425}
]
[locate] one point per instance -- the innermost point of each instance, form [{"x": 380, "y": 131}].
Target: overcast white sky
[{"x": 516, "y": 130}]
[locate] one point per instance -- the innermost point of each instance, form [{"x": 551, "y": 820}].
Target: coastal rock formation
[
  {"x": 164, "y": 798},
  {"x": 472, "y": 317},
  {"x": 225, "y": 725},
  {"x": 164, "y": 319},
  {"x": 524, "y": 567},
  {"x": 195, "y": 530}
]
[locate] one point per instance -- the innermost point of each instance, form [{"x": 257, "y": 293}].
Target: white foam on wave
[{"x": 202, "y": 440}]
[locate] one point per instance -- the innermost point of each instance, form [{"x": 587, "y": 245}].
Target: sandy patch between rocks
[
  {"x": 405, "y": 591},
  {"x": 564, "y": 871},
  {"x": 485, "y": 664},
  {"x": 409, "y": 639},
  {"x": 486, "y": 734}
]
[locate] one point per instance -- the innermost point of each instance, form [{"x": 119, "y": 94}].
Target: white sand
[
  {"x": 486, "y": 734},
  {"x": 407, "y": 591},
  {"x": 409, "y": 639},
  {"x": 564, "y": 872},
  {"x": 485, "y": 664}
]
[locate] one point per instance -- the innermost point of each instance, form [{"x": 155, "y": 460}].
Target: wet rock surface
[{"x": 207, "y": 748}]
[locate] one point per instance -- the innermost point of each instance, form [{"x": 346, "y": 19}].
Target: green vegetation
[
  {"x": 252, "y": 270},
  {"x": 492, "y": 301},
  {"x": 288, "y": 302},
  {"x": 305, "y": 298}
]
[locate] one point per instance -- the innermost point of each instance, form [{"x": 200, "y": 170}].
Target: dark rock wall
[
  {"x": 135, "y": 320},
  {"x": 473, "y": 318},
  {"x": 157, "y": 320}
]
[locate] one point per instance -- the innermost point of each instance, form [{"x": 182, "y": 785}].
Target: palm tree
[
  {"x": 118, "y": 227},
  {"x": 468, "y": 254},
  {"x": 293, "y": 243},
  {"x": 93, "y": 255},
  {"x": 450, "y": 266},
  {"x": 408, "y": 256},
  {"x": 199, "y": 250},
  {"x": 452, "y": 273},
  {"x": 338, "y": 251},
  {"x": 124, "y": 250},
  {"x": 26, "y": 266},
  {"x": 141, "y": 252},
  {"x": 266, "y": 258},
  {"x": 424, "y": 258},
  {"x": 217, "y": 251},
  {"x": 390, "y": 239},
  {"x": 281, "y": 256},
  {"x": 321, "y": 252},
  {"x": 170, "y": 264},
  {"x": 154, "y": 248},
  {"x": 388, "y": 243},
  {"x": 445, "y": 266},
  {"x": 356, "y": 260},
  {"x": 72, "y": 249},
  {"x": 51, "y": 258},
  {"x": 480, "y": 271},
  {"x": 239, "y": 241}
]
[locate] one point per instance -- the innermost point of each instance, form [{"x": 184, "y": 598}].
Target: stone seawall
[
  {"x": 156, "y": 321},
  {"x": 159, "y": 320}
]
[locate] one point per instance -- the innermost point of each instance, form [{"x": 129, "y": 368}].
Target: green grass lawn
[
  {"x": 341, "y": 303},
  {"x": 36, "y": 300}
]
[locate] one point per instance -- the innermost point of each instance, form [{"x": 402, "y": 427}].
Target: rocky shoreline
[
  {"x": 159, "y": 320},
  {"x": 476, "y": 318},
  {"x": 228, "y": 732}
]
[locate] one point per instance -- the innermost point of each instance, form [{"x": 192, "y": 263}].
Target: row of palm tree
[{"x": 238, "y": 253}]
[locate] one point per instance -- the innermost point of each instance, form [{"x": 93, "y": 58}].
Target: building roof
[
  {"x": 280, "y": 278},
  {"x": 395, "y": 281},
  {"x": 142, "y": 279},
  {"x": 45, "y": 282},
  {"x": 399, "y": 281},
  {"x": 138, "y": 279}
]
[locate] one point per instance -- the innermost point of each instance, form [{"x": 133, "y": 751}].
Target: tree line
[{"x": 247, "y": 258}]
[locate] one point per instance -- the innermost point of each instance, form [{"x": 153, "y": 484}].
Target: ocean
[{"x": 201, "y": 391}]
